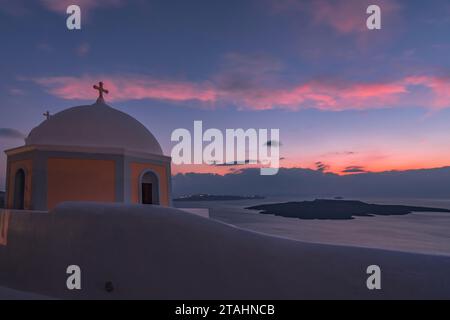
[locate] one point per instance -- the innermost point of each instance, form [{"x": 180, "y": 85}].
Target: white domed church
[{"x": 88, "y": 153}]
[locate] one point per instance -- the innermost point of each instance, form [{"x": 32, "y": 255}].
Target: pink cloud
[
  {"x": 344, "y": 17},
  {"x": 369, "y": 91},
  {"x": 439, "y": 87},
  {"x": 126, "y": 88},
  {"x": 336, "y": 96},
  {"x": 413, "y": 91}
]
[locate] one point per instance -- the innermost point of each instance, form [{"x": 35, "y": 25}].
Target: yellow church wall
[
  {"x": 136, "y": 171},
  {"x": 80, "y": 180},
  {"x": 27, "y": 166}
]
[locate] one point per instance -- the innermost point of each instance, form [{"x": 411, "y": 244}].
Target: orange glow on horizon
[{"x": 389, "y": 164}]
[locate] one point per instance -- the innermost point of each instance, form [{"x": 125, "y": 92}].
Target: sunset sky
[{"x": 346, "y": 99}]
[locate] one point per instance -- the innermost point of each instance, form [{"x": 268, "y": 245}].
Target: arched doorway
[
  {"x": 19, "y": 190},
  {"x": 149, "y": 188}
]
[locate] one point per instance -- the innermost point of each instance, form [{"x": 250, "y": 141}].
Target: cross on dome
[{"x": 101, "y": 90}]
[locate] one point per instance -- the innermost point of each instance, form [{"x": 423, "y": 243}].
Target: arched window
[
  {"x": 19, "y": 190},
  {"x": 149, "y": 188}
]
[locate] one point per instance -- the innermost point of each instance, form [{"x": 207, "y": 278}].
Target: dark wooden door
[
  {"x": 147, "y": 193},
  {"x": 19, "y": 190}
]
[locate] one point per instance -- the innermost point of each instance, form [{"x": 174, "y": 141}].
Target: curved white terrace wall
[{"x": 163, "y": 253}]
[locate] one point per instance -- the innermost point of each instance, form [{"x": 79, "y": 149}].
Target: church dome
[{"x": 97, "y": 125}]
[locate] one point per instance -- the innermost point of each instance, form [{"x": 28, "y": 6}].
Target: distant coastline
[
  {"x": 337, "y": 209},
  {"x": 211, "y": 197}
]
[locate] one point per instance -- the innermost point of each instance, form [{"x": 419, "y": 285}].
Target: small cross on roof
[{"x": 101, "y": 90}]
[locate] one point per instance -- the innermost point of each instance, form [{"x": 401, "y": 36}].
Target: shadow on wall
[
  {"x": 4, "y": 224},
  {"x": 2, "y": 199}
]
